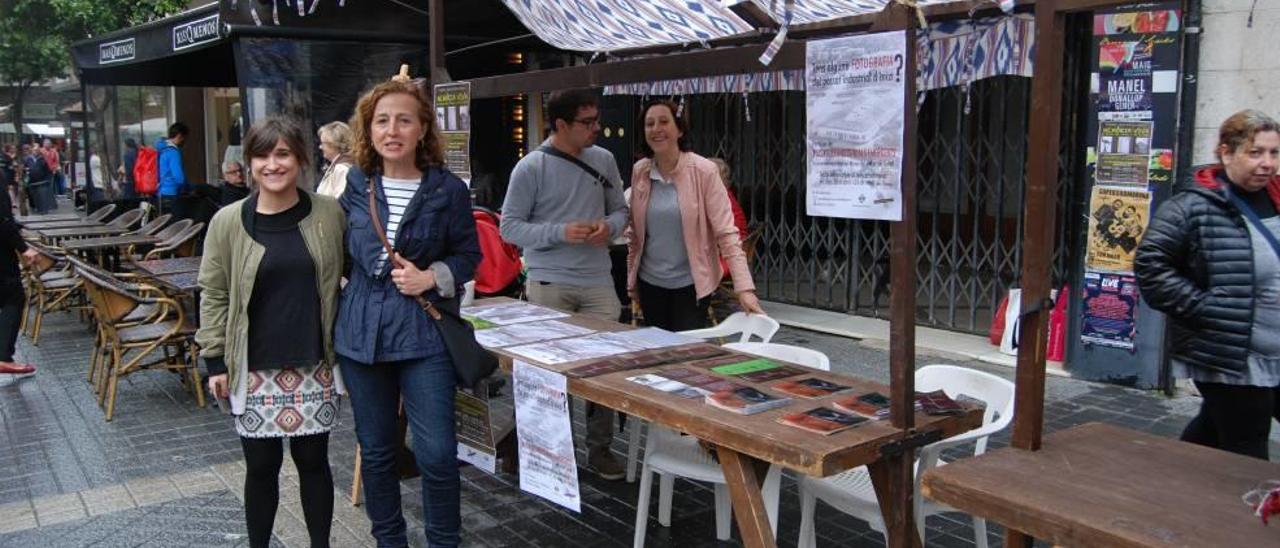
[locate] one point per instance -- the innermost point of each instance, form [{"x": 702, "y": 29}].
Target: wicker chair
[
  {"x": 181, "y": 245},
  {"x": 127, "y": 219},
  {"x": 126, "y": 344},
  {"x": 153, "y": 226},
  {"x": 164, "y": 234},
  {"x": 102, "y": 212},
  {"x": 51, "y": 287}
]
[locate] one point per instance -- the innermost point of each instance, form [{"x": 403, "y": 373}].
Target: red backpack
[
  {"x": 500, "y": 264},
  {"x": 146, "y": 171}
]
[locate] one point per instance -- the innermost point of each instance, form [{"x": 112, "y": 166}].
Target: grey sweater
[{"x": 544, "y": 195}]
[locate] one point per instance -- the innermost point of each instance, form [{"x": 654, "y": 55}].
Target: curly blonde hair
[{"x": 429, "y": 151}]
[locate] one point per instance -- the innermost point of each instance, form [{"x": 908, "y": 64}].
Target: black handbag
[{"x": 471, "y": 362}]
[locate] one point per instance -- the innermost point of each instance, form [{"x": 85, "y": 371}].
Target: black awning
[{"x": 188, "y": 49}]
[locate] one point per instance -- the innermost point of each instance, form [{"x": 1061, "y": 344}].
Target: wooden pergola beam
[{"x": 695, "y": 64}]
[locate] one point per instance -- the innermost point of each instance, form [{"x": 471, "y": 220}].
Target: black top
[
  {"x": 284, "y": 309},
  {"x": 232, "y": 193},
  {"x": 1258, "y": 200},
  {"x": 10, "y": 242}
]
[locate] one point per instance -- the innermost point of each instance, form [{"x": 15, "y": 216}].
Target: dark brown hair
[
  {"x": 681, "y": 121},
  {"x": 564, "y": 105},
  {"x": 263, "y": 135},
  {"x": 429, "y": 151},
  {"x": 1239, "y": 129}
]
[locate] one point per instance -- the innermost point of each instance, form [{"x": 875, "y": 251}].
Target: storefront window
[
  {"x": 118, "y": 115},
  {"x": 315, "y": 82}
]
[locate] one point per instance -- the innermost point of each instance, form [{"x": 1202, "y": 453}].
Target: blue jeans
[{"x": 427, "y": 386}]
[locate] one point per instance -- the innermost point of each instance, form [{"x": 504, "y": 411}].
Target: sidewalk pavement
[{"x": 167, "y": 473}]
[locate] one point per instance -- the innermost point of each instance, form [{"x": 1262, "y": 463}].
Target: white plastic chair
[
  {"x": 851, "y": 492},
  {"x": 739, "y": 324},
  {"x": 669, "y": 454}
]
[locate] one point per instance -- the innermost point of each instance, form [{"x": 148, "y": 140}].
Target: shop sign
[
  {"x": 117, "y": 51},
  {"x": 195, "y": 32}
]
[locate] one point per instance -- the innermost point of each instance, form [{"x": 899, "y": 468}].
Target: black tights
[
  {"x": 263, "y": 457},
  {"x": 1234, "y": 418}
]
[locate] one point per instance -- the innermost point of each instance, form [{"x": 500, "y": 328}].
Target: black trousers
[
  {"x": 672, "y": 309},
  {"x": 263, "y": 457},
  {"x": 11, "y": 298},
  {"x": 1234, "y": 418}
]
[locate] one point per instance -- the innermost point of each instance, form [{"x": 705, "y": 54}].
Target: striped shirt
[{"x": 399, "y": 192}]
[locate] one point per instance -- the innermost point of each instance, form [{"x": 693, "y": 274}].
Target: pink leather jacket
[{"x": 707, "y": 220}]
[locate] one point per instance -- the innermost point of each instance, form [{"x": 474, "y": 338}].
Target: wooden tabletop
[
  {"x": 1102, "y": 485},
  {"x": 181, "y": 282},
  {"x": 108, "y": 242},
  {"x": 57, "y": 233},
  {"x": 49, "y": 225},
  {"x": 52, "y": 217},
  {"x": 160, "y": 267},
  {"x": 758, "y": 435}
]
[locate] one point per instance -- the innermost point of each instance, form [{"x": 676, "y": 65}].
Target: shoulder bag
[{"x": 471, "y": 362}]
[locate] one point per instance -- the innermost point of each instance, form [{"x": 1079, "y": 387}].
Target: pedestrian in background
[
  {"x": 172, "y": 179},
  {"x": 1211, "y": 261},
  {"x": 391, "y": 351},
  {"x": 335, "y": 146},
  {"x": 269, "y": 275}
]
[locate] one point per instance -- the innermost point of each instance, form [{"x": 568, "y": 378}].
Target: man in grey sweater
[{"x": 564, "y": 217}]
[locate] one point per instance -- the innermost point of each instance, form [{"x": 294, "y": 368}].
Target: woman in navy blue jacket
[{"x": 389, "y": 349}]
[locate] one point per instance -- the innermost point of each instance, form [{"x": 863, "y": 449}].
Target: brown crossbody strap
[{"x": 423, "y": 301}]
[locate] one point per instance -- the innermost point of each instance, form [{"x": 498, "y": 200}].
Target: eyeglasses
[
  {"x": 589, "y": 122},
  {"x": 233, "y": 172}
]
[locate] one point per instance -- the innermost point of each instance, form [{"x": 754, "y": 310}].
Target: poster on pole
[
  {"x": 1124, "y": 153},
  {"x": 1109, "y": 317},
  {"x": 854, "y": 130},
  {"x": 453, "y": 115},
  {"x": 1118, "y": 218},
  {"x": 548, "y": 468}
]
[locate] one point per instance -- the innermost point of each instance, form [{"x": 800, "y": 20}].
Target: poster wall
[
  {"x": 453, "y": 114},
  {"x": 1132, "y": 127},
  {"x": 854, "y": 100}
]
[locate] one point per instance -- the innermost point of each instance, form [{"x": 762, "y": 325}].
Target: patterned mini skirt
[{"x": 289, "y": 402}]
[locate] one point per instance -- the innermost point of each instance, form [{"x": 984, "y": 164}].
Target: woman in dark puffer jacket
[{"x": 1211, "y": 261}]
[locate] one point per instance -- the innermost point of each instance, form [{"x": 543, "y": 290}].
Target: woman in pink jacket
[{"x": 681, "y": 224}]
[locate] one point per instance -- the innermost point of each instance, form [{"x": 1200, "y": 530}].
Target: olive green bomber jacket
[{"x": 227, "y": 274}]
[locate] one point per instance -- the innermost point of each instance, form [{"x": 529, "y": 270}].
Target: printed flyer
[
  {"x": 1124, "y": 153},
  {"x": 1117, "y": 220},
  {"x": 1110, "y": 309},
  {"x": 855, "y": 94},
  {"x": 548, "y": 468},
  {"x": 453, "y": 116}
]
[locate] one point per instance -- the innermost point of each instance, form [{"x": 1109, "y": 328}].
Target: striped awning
[{"x": 611, "y": 25}]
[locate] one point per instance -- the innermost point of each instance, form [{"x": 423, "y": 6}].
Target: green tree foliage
[{"x": 36, "y": 35}]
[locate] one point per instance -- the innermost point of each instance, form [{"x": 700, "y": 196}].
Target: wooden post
[
  {"x": 898, "y": 469},
  {"x": 435, "y": 14},
  {"x": 1037, "y": 242}
]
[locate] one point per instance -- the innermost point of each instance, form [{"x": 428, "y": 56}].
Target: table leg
[
  {"x": 744, "y": 475},
  {"x": 891, "y": 477},
  {"x": 1017, "y": 539}
]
